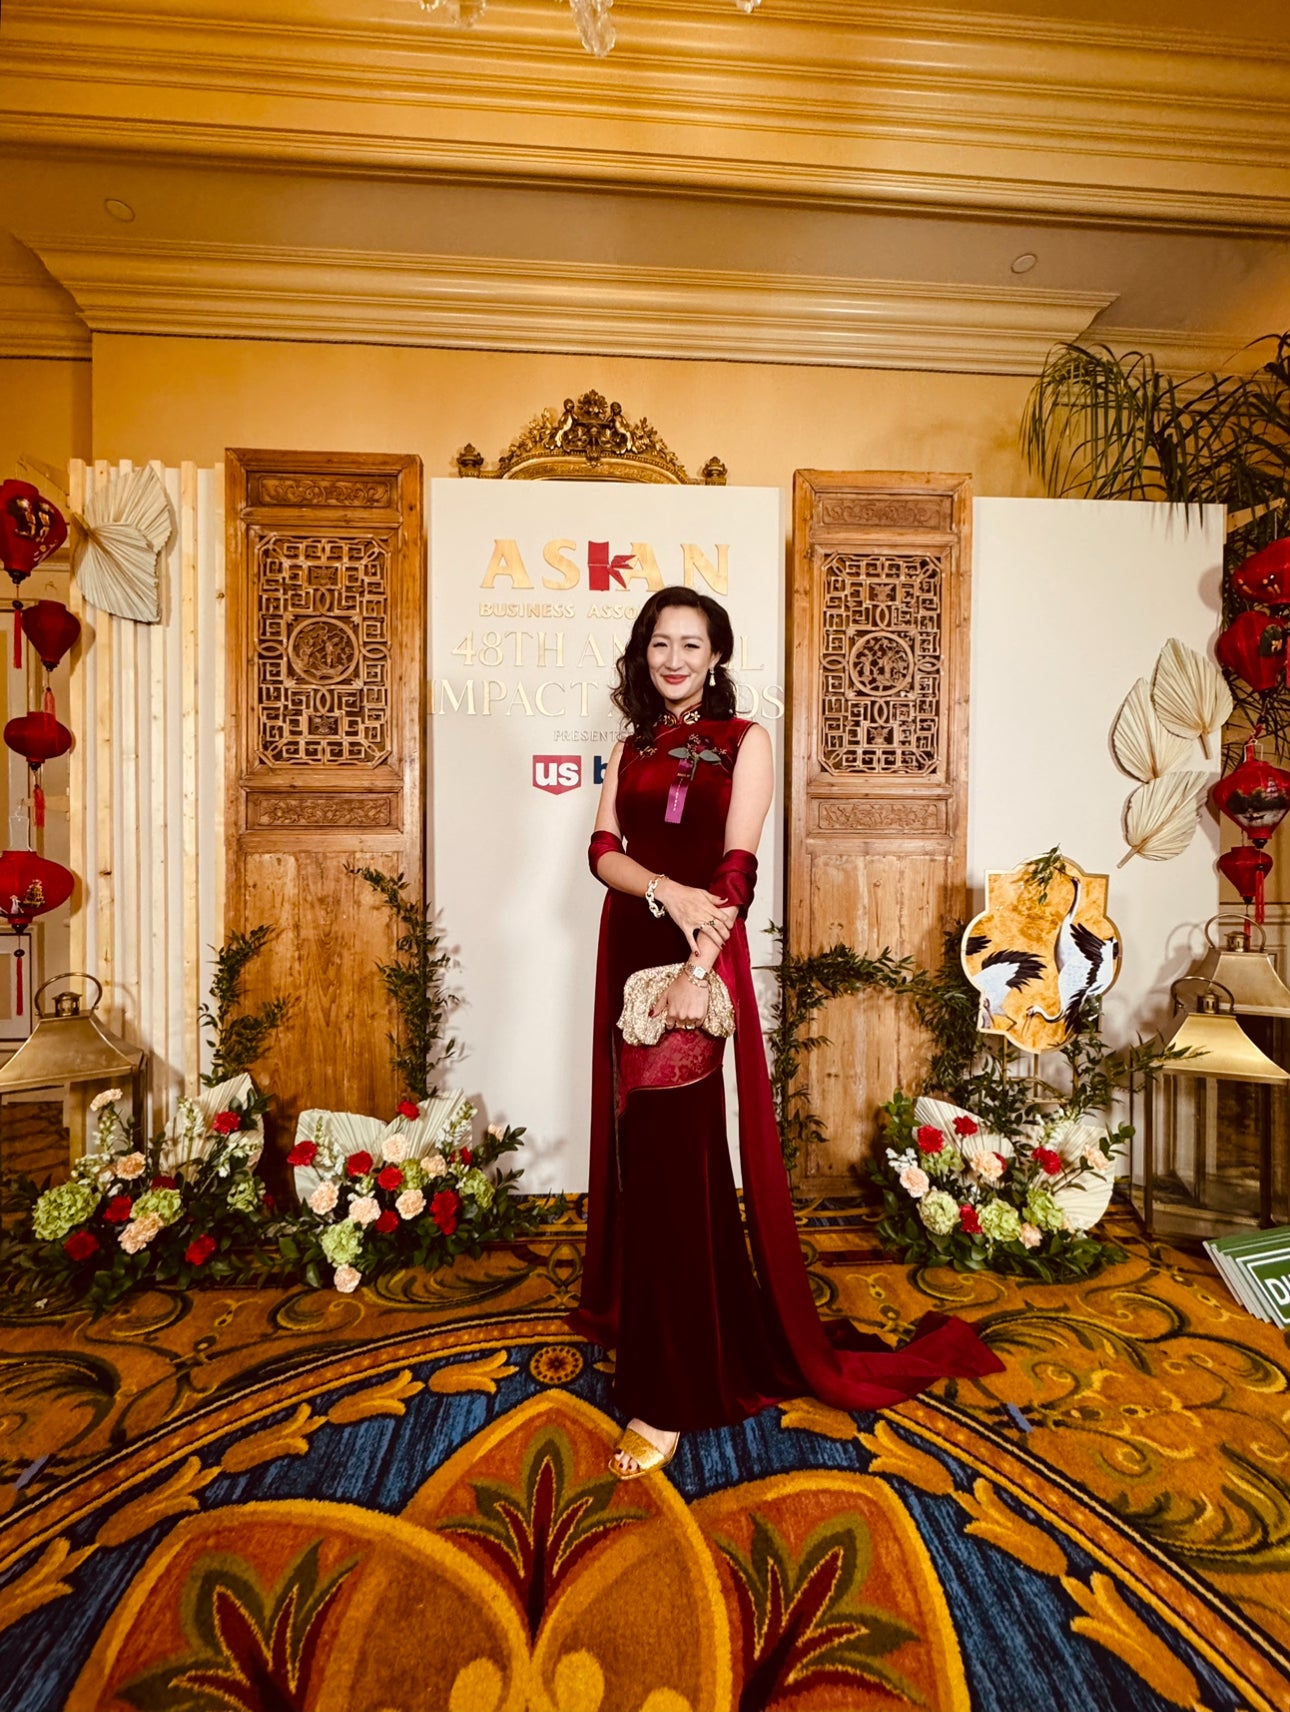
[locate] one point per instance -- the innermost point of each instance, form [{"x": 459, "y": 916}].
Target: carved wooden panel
[
  {"x": 877, "y": 772},
  {"x": 326, "y": 593}
]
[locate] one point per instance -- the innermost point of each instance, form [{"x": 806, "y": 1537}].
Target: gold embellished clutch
[{"x": 645, "y": 989}]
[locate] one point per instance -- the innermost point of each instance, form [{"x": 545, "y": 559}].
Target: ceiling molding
[
  {"x": 213, "y": 290},
  {"x": 948, "y": 109},
  {"x": 1184, "y": 353},
  {"x": 36, "y": 321}
]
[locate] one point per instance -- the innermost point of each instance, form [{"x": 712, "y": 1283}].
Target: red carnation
[
  {"x": 118, "y": 1209},
  {"x": 444, "y": 1208},
  {"x": 409, "y": 1109},
  {"x": 269, "y": 1203},
  {"x": 226, "y": 1123},
  {"x": 1048, "y": 1161},
  {"x": 387, "y": 1220},
  {"x": 303, "y": 1153},
  {"x": 929, "y": 1139},
  {"x": 199, "y": 1250},
  {"x": 390, "y": 1178},
  {"x": 80, "y": 1245},
  {"x": 164, "y": 1183},
  {"x": 465, "y": 1156},
  {"x": 965, "y": 1126},
  {"x": 358, "y": 1164},
  {"x": 969, "y": 1219}
]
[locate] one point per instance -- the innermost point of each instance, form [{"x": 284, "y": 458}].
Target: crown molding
[
  {"x": 1184, "y": 353},
  {"x": 473, "y": 303},
  {"x": 947, "y": 109},
  {"x": 36, "y": 322}
]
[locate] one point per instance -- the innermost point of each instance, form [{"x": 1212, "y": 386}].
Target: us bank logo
[{"x": 557, "y": 773}]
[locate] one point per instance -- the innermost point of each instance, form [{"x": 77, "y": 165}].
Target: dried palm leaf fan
[
  {"x": 1162, "y": 814},
  {"x": 125, "y": 526},
  {"x": 1189, "y": 693},
  {"x": 1143, "y": 746}
]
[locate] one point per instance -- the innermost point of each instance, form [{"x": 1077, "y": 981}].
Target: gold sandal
[{"x": 646, "y": 1456}]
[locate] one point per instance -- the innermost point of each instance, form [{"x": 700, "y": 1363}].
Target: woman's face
[{"x": 680, "y": 656}]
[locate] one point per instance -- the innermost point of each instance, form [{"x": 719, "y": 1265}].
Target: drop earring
[{"x": 712, "y": 677}]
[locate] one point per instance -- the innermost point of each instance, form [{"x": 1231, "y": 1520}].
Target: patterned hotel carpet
[{"x": 397, "y": 1500}]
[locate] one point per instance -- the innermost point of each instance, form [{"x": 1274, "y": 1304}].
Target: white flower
[
  {"x": 104, "y": 1099},
  {"x": 129, "y": 1166},
  {"x": 346, "y": 1279},
  {"x": 987, "y": 1165},
  {"x": 324, "y": 1198},
  {"x": 497, "y": 1131},
  {"x": 1095, "y": 1159},
  {"x": 410, "y": 1203},
  {"x": 364, "y": 1210},
  {"x": 914, "y": 1181},
  {"x": 436, "y": 1165},
  {"x": 1031, "y": 1236},
  {"x": 139, "y": 1232},
  {"x": 393, "y": 1149}
]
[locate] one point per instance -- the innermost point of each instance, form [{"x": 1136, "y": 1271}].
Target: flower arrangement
[
  {"x": 411, "y": 1192},
  {"x": 957, "y": 1194},
  {"x": 182, "y": 1207}
]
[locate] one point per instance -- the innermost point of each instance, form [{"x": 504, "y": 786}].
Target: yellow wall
[
  {"x": 190, "y": 398},
  {"x": 46, "y": 415}
]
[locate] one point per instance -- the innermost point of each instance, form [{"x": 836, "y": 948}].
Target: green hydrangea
[
  {"x": 939, "y": 1212},
  {"x": 477, "y": 1186},
  {"x": 63, "y": 1207},
  {"x": 342, "y": 1243},
  {"x": 1042, "y": 1210},
  {"x": 414, "y": 1174},
  {"x": 166, "y": 1204},
  {"x": 999, "y": 1221},
  {"x": 244, "y": 1196},
  {"x": 947, "y": 1163}
]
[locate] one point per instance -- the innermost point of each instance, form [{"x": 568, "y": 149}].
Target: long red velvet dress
[{"x": 703, "y": 1338}]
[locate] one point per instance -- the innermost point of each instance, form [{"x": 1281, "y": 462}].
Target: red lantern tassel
[
  {"x": 1258, "y": 897},
  {"x": 17, "y": 961},
  {"x": 38, "y": 805},
  {"x": 48, "y": 703},
  {"x": 17, "y": 633}
]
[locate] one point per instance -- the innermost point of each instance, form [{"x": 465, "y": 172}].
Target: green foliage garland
[
  {"x": 238, "y": 1037},
  {"x": 416, "y": 981}
]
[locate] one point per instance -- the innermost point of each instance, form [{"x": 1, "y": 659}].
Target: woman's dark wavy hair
[{"x": 634, "y": 694}]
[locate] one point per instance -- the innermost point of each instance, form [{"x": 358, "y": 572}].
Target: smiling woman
[{"x": 703, "y": 1340}]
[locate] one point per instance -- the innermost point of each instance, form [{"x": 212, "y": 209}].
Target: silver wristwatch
[{"x": 697, "y": 973}]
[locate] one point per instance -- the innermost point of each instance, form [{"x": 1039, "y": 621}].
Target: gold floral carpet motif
[{"x": 399, "y": 1500}]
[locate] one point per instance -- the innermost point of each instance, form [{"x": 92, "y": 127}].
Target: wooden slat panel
[
  {"x": 878, "y": 766},
  {"x": 326, "y": 629}
]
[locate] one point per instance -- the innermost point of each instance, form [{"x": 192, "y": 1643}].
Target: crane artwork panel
[{"x": 1041, "y": 952}]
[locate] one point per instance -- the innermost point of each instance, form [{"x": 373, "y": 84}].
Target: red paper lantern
[
  {"x": 31, "y": 528},
  {"x": 1253, "y": 645},
  {"x": 1265, "y": 576},
  {"x": 38, "y": 737},
  {"x": 1255, "y": 795},
  {"x": 1247, "y": 868},
  {"x": 51, "y": 630},
  {"x": 29, "y": 886}
]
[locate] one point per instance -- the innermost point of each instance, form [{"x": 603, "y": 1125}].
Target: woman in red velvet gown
[{"x": 702, "y": 1339}]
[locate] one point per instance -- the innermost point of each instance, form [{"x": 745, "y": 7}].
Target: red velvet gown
[{"x": 703, "y": 1339}]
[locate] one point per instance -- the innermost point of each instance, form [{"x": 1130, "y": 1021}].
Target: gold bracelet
[{"x": 655, "y": 908}]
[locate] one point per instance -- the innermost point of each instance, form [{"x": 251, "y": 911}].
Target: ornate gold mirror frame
[{"x": 589, "y": 439}]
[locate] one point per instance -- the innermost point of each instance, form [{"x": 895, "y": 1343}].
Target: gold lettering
[
  {"x": 773, "y": 700},
  {"x": 539, "y": 697},
  {"x": 592, "y": 647},
  {"x": 647, "y": 570},
  {"x": 745, "y": 664},
  {"x": 518, "y": 695},
  {"x": 556, "y": 555},
  {"x": 507, "y": 561},
  {"x": 544, "y": 649},
  {"x": 493, "y": 691},
  {"x": 448, "y": 694},
  {"x": 745, "y": 701},
  {"x": 586, "y": 685},
  {"x": 697, "y": 563}
]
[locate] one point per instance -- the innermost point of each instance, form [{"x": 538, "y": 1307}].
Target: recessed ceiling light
[
  {"x": 119, "y": 210},
  {"x": 1024, "y": 262}
]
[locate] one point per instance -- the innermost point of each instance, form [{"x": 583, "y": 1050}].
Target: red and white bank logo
[{"x": 557, "y": 773}]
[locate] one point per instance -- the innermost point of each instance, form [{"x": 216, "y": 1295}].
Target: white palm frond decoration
[
  {"x": 1161, "y": 816},
  {"x": 1085, "y": 1200},
  {"x": 940, "y": 1114},
  {"x": 189, "y": 1137},
  {"x": 125, "y": 526},
  {"x": 1189, "y": 693},
  {"x": 439, "y": 1121},
  {"x": 1143, "y": 746}
]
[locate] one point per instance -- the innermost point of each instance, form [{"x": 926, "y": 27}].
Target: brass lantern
[
  {"x": 1195, "y": 1182},
  {"x": 70, "y": 1048}
]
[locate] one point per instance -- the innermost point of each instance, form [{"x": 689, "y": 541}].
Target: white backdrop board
[
  {"x": 533, "y": 588},
  {"x": 1072, "y": 601}
]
